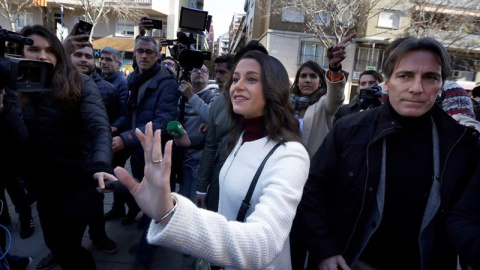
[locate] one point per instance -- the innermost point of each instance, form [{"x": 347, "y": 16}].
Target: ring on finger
[{"x": 157, "y": 161}]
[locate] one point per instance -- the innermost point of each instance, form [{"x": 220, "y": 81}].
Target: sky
[{"x": 222, "y": 12}]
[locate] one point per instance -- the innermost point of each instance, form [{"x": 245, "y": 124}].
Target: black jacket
[
  {"x": 120, "y": 82},
  {"x": 344, "y": 175},
  {"x": 157, "y": 104},
  {"x": 67, "y": 145},
  {"x": 13, "y": 138},
  {"x": 347, "y": 109},
  {"x": 110, "y": 96},
  {"x": 464, "y": 224}
]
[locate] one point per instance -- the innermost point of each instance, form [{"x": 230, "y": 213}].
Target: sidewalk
[{"x": 124, "y": 236}]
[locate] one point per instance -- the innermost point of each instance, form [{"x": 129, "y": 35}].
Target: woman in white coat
[{"x": 261, "y": 118}]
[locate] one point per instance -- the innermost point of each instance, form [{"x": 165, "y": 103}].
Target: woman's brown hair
[
  {"x": 280, "y": 122},
  {"x": 67, "y": 82},
  {"x": 320, "y": 73}
]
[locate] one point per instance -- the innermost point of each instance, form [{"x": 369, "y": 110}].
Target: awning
[{"x": 121, "y": 44}]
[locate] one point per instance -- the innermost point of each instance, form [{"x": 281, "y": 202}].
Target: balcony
[
  {"x": 134, "y": 2},
  {"x": 455, "y": 39},
  {"x": 457, "y": 7}
]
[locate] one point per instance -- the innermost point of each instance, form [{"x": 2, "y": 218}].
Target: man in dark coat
[
  {"x": 382, "y": 182},
  {"x": 463, "y": 225},
  {"x": 83, "y": 60},
  {"x": 153, "y": 96},
  {"x": 110, "y": 62}
]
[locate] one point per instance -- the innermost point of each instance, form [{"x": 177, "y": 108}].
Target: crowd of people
[{"x": 265, "y": 173}]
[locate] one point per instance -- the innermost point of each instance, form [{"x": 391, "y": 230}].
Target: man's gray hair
[
  {"x": 414, "y": 44},
  {"x": 117, "y": 55},
  {"x": 148, "y": 39}
]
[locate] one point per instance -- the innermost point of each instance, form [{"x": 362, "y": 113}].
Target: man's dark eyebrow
[
  {"x": 413, "y": 72},
  {"x": 430, "y": 73}
]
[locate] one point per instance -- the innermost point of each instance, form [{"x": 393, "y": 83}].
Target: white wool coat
[{"x": 261, "y": 242}]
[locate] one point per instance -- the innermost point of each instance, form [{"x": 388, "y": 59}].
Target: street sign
[{"x": 370, "y": 68}]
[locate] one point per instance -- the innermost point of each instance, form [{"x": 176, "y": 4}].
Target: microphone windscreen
[{"x": 175, "y": 129}]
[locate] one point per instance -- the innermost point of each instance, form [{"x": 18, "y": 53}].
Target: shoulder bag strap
[{"x": 246, "y": 202}]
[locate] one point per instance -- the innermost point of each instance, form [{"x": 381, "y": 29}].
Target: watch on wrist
[{"x": 335, "y": 69}]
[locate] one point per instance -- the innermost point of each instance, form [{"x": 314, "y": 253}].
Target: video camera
[
  {"x": 20, "y": 74},
  {"x": 192, "y": 21},
  {"x": 370, "y": 97}
]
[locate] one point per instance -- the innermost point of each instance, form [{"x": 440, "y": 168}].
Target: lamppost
[
  {"x": 61, "y": 34},
  {"x": 61, "y": 13}
]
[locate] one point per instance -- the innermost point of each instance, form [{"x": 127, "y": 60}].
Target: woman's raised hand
[
  {"x": 152, "y": 194},
  {"x": 336, "y": 53}
]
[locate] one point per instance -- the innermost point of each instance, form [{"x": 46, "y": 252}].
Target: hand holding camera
[
  {"x": 78, "y": 37},
  {"x": 147, "y": 24},
  {"x": 186, "y": 89}
]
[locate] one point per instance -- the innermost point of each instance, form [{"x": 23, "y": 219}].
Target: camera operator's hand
[
  {"x": 186, "y": 89},
  {"x": 73, "y": 42},
  {"x": 144, "y": 25},
  {"x": 117, "y": 144},
  {"x": 336, "y": 53}
]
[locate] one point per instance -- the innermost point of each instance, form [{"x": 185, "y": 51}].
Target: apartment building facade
[
  {"x": 286, "y": 36},
  {"x": 110, "y": 30}
]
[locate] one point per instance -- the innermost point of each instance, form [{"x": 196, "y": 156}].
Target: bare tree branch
[
  {"x": 332, "y": 20},
  {"x": 99, "y": 10},
  {"x": 11, "y": 9}
]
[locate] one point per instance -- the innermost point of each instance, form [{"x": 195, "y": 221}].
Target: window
[
  {"x": 314, "y": 52},
  {"x": 23, "y": 20},
  {"x": 369, "y": 57},
  {"x": 125, "y": 28},
  {"x": 321, "y": 18},
  {"x": 290, "y": 14},
  {"x": 389, "y": 19},
  {"x": 347, "y": 19}
]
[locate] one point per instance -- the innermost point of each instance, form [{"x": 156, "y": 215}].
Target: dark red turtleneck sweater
[{"x": 254, "y": 129}]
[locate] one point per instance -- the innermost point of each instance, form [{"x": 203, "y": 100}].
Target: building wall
[
  {"x": 372, "y": 28},
  {"x": 286, "y": 45}
]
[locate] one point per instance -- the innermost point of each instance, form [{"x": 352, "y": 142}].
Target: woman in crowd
[
  {"x": 68, "y": 150},
  {"x": 261, "y": 117},
  {"x": 316, "y": 96}
]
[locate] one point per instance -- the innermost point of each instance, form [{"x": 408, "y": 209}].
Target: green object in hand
[{"x": 175, "y": 129}]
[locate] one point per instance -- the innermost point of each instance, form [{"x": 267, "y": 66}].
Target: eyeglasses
[
  {"x": 201, "y": 70},
  {"x": 168, "y": 64},
  {"x": 147, "y": 51}
]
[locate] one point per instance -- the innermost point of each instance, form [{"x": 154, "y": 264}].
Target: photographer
[
  {"x": 368, "y": 78},
  {"x": 69, "y": 149}
]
